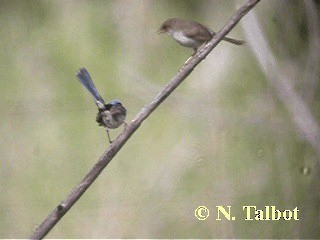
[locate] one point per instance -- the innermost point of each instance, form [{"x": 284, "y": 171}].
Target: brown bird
[{"x": 191, "y": 34}]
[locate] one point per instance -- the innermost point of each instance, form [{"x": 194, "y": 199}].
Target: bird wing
[{"x": 198, "y": 32}]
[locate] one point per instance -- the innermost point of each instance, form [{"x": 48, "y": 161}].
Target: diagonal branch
[{"x": 112, "y": 150}]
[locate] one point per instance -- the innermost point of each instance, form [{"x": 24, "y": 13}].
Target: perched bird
[
  {"x": 111, "y": 115},
  {"x": 191, "y": 34}
]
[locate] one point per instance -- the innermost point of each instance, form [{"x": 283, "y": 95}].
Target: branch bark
[{"x": 112, "y": 150}]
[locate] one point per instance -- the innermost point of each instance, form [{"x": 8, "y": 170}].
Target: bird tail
[
  {"x": 86, "y": 81},
  {"x": 227, "y": 39},
  {"x": 234, "y": 41}
]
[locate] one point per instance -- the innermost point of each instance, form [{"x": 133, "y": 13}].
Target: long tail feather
[
  {"x": 86, "y": 81},
  {"x": 234, "y": 41}
]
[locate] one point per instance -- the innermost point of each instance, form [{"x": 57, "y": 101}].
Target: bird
[
  {"x": 191, "y": 34},
  {"x": 111, "y": 115}
]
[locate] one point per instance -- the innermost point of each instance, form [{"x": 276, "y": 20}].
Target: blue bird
[{"x": 111, "y": 115}]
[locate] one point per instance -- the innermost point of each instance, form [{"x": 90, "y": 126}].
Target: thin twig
[{"x": 112, "y": 150}]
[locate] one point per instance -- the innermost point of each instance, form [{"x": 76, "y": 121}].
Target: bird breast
[{"x": 183, "y": 40}]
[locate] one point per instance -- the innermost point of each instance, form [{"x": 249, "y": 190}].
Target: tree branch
[{"x": 112, "y": 150}]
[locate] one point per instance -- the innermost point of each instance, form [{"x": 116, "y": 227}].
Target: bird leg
[
  {"x": 107, "y": 129},
  {"x": 186, "y": 62}
]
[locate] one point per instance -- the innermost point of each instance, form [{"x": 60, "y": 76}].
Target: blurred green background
[{"x": 222, "y": 138}]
